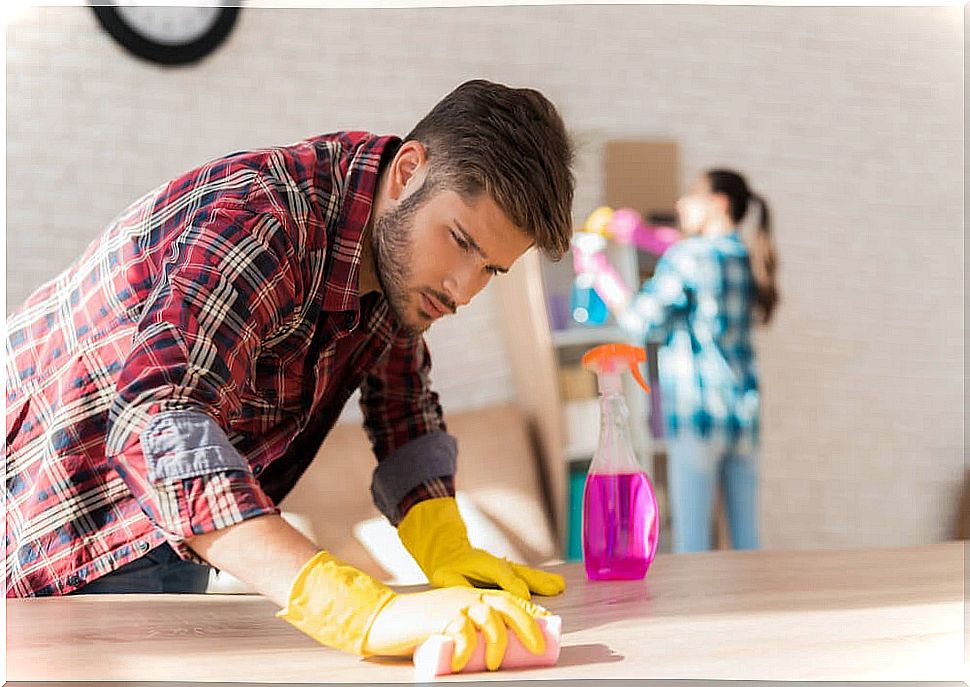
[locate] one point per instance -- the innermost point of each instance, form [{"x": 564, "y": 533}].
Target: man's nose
[
  {"x": 462, "y": 286},
  {"x": 457, "y": 294}
]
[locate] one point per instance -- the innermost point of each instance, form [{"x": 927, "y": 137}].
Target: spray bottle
[
  {"x": 620, "y": 518},
  {"x": 587, "y": 306}
]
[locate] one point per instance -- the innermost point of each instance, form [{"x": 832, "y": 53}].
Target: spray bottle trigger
[
  {"x": 639, "y": 377},
  {"x": 603, "y": 357}
]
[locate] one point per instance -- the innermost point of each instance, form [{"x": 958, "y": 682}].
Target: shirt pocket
[
  {"x": 47, "y": 404},
  {"x": 61, "y": 426},
  {"x": 16, "y": 415}
]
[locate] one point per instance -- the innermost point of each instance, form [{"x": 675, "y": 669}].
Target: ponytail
[
  {"x": 761, "y": 247},
  {"x": 764, "y": 264}
]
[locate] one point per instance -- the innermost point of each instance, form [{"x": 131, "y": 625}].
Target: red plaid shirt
[{"x": 180, "y": 375}]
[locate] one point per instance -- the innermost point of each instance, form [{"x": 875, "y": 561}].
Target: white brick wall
[{"x": 849, "y": 120}]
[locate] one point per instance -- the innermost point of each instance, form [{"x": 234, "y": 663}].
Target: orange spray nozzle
[{"x": 608, "y": 357}]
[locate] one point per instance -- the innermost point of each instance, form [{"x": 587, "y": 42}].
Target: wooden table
[{"x": 768, "y": 615}]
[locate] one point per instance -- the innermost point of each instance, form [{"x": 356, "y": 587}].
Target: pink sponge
[{"x": 433, "y": 657}]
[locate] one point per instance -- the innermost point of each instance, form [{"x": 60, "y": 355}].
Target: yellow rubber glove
[
  {"x": 458, "y": 612},
  {"x": 434, "y": 533},
  {"x": 346, "y": 609}
]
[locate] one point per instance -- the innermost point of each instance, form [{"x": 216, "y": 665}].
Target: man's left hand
[{"x": 436, "y": 536}]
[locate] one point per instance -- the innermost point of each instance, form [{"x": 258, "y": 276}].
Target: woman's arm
[{"x": 661, "y": 301}]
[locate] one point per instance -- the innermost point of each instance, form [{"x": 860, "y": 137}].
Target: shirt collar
[{"x": 359, "y": 167}]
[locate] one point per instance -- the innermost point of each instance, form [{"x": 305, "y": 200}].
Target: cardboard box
[
  {"x": 576, "y": 383},
  {"x": 643, "y": 175}
]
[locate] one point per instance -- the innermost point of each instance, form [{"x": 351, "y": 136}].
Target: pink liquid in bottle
[{"x": 620, "y": 526}]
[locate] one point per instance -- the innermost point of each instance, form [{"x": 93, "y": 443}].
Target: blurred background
[{"x": 849, "y": 120}]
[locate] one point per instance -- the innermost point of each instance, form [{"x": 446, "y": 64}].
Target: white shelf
[{"x": 591, "y": 336}]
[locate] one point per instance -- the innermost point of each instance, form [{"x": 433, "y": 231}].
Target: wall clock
[{"x": 170, "y": 35}]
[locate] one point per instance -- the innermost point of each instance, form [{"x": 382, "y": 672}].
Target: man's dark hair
[{"x": 511, "y": 144}]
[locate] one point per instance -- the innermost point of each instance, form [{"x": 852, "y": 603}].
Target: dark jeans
[{"x": 159, "y": 571}]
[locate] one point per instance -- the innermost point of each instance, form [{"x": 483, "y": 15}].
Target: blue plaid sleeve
[{"x": 663, "y": 299}]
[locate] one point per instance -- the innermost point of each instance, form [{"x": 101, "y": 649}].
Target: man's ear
[{"x": 407, "y": 171}]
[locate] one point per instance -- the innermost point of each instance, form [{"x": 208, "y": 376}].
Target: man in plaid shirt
[{"x": 168, "y": 389}]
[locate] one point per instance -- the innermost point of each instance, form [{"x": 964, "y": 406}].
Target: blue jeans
[
  {"x": 695, "y": 469},
  {"x": 159, "y": 571}
]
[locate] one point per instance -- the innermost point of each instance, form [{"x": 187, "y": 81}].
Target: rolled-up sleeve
[
  {"x": 403, "y": 418},
  {"x": 225, "y": 285}
]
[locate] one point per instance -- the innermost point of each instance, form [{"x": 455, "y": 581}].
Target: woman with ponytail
[{"x": 707, "y": 292}]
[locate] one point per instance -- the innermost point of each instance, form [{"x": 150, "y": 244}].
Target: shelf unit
[
  {"x": 587, "y": 336},
  {"x": 567, "y": 430},
  {"x": 534, "y": 301}
]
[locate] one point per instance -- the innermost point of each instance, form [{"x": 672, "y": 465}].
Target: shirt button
[
  {"x": 74, "y": 580},
  {"x": 143, "y": 546},
  {"x": 258, "y": 469}
]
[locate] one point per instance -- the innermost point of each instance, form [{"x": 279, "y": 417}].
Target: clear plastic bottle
[
  {"x": 620, "y": 518},
  {"x": 586, "y": 304}
]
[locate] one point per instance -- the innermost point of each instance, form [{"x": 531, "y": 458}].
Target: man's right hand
[
  {"x": 458, "y": 612},
  {"x": 344, "y": 608}
]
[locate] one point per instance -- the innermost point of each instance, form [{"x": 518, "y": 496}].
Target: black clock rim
[{"x": 184, "y": 53}]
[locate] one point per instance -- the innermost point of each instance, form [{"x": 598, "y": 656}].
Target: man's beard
[{"x": 393, "y": 250}]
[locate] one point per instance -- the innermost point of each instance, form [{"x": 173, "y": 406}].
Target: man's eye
[{"x": 462, "y": 243}]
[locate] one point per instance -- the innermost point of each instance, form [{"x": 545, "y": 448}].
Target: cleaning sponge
[{"x": 433, "y": 657}]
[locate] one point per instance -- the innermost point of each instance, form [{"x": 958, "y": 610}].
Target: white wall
[{"x": 849, "y": 120}]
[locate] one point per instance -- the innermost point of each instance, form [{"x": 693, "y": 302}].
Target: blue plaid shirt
[{"x": 697, "y": 306}]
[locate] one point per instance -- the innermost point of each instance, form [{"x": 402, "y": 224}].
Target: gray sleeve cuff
[
  {"x": 422, "y": 459},
  {"x": 180, "y": 444}
]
